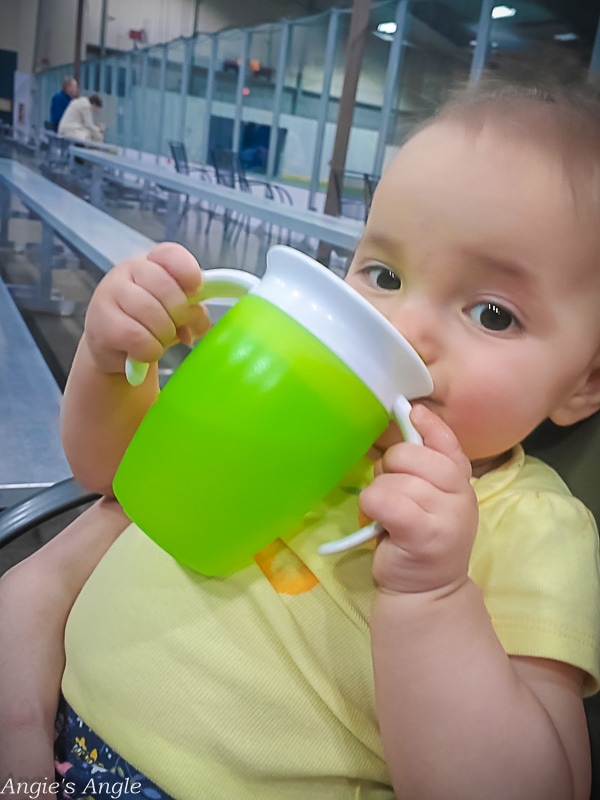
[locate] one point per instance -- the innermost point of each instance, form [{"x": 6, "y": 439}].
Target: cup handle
[
  {"x": 400, "y": 412},
  {"x": 234, "y": 283}
]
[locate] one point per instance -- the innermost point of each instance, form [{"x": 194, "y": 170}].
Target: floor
[{"x": 57, "y": 336}]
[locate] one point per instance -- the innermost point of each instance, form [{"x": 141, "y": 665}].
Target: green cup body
[{"x": 254, "y": 428}]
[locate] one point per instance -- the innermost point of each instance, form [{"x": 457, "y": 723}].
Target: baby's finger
[
  {"x": 436, "y": 469},
  {"x": 197, "y": 324},
  {"x": 163, "y": 287},
  {"x": 143, "y": 308},
  {"x": 437, "y": 435},
  {"x": 180, "y": 264}
]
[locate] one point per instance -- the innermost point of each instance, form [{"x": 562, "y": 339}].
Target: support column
[
  {"x": 359, "y": 27},
  {"x": 78, "y": 38}
]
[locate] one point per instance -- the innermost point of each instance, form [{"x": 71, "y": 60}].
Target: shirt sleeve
[
  {"x": 536, "y": 562},
  {"x": 86, "y": 117}
]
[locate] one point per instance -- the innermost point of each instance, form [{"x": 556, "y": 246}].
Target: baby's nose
[{"x": 416, "y": 322}]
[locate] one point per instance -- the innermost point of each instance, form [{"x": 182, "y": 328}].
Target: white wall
[
  {"x": 17, "y": 30},
  {"x": 55, "y": 41},
  {"x": 162, "y": 20},
  {"x": 51, "y": 32}
]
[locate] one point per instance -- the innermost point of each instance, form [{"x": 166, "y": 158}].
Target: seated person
[
  {"x": 60, "y": 101},
  {"x": 78, "y": 120},
  {"x": 450, "y": 658}
]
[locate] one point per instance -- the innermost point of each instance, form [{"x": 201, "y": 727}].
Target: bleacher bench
[{"x": 31, "y": 455}]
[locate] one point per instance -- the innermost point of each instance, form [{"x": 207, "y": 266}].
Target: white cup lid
[{"x": 346, "y": 323}]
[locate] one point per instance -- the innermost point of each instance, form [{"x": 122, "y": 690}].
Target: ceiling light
[
  {"x": 566, "y": 37},
  {"x": 387, "y": 27},
  {"x": 498, "y": 12}
]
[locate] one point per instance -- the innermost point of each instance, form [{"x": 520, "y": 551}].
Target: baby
[{"x": 451, "y": 659}]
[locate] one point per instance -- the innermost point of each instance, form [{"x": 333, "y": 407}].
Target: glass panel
[
  {"x": 200, "y": 66},
  {"x": 436, "y": 57},
  {"x": 122, "y": 77},
  {"x": 259, "y": 99},
  {"x": 173, "y": 110},
  {"x": 175, "y": 58},
  {"x": 530, "y": 41},
  {"x": 94, "y": 76},
  {"x": 111, "y": 113},
  {"x": 108, "y": 73},
  {"x": 196, "y": 100},
  {"x": 230, "y": 45},
  {"x": 366, "y": 120},
  {"x": 155, "y": 58},
  {"x": 302, "y": 101},
  {"x": 84, "y": 78},
  {"x": 137, "y": 106}
]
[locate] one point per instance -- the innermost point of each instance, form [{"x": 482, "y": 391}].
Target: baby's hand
[
  {"x": 423, "y": 498},
  {"x": 142, "y": 307}
]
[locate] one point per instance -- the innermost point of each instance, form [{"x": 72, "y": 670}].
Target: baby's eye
[
  {"x": 493, "y": 317},
  {"x": 382, "y": 278}
]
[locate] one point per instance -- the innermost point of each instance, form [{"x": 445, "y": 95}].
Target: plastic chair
[
  {"x": 230, "y": 172},
  {"x": 183, "y": 166},
  {"x": 41, "y": 507}
]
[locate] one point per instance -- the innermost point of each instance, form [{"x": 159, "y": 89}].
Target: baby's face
[{"x": 474, "y": 251}]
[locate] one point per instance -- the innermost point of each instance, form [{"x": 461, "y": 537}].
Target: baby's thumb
[{"x": 436, "y": 434}]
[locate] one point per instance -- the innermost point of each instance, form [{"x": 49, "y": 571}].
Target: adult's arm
[{"x": 36, "y": 597}]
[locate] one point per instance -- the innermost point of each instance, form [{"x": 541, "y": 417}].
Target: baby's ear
[{"x": 582, "y": 403}]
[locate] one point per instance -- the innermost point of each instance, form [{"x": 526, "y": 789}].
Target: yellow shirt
[{"x": 261, "y": 685}]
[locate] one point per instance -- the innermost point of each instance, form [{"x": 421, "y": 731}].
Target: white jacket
[{"x": 78, "y": 123}]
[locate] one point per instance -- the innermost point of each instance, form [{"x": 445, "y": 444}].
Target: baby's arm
[
  {"x": 35, "y": 599},
  {"x": 139, "y": 309},
  {"x": 458, "y": 717}
]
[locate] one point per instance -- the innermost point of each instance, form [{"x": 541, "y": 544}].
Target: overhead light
[
  {"x": 387, "y": 27},
  {"x": 499, "y": 12},
  {"x": 566, "y": 37}
]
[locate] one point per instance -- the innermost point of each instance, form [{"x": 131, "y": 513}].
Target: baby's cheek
[{"x": 482, "y": 422}]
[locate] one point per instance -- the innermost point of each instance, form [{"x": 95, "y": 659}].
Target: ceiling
[
  {"x": 535, "y": 21},
  {"x": 456, "y": 20}
]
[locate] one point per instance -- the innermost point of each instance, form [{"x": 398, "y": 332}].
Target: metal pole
[
  {"x": 78, "y": 38},
  {"x": 186, "y": 71},
  {"x": 196, "y": 15},
  {"x": 357, "y": 38},
  {"x": 330, "y": 45},
  {"x": 482, "y": 41},
  {"x": 239, "y": 92},
  {"x": 210, "y": 90},
  {"x": 103, "y": 18},
  {"x": 279, "y": 84},
  {"x": 162, "y": 90},
  {"x": 127, "y": 102},
  {"x": 390, "y": 86},
  {"x": 140, "y": 124},
  {"x": 114, "y": 90}
]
